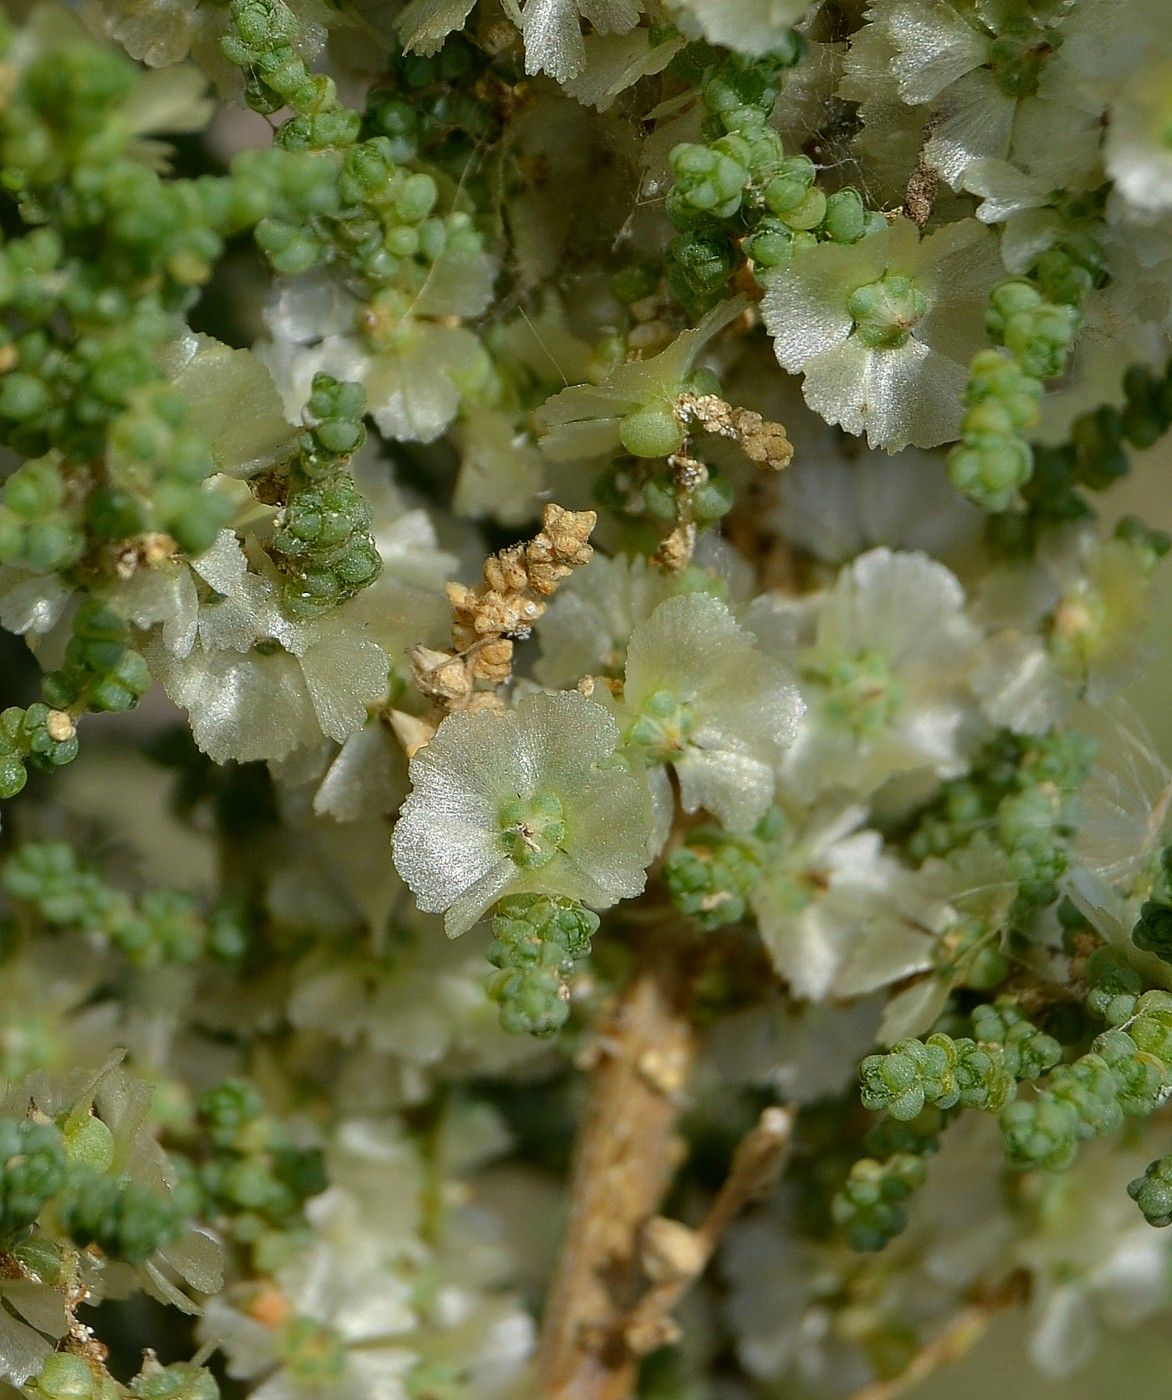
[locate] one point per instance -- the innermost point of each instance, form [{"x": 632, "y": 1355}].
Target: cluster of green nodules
[
  {"x": 345, "y": 191},
  {"x": 711, "y": 875},
  {"x": 90, "y": 295},
  {"x": 869, "y": 1208},
  {"x": 1152, "y": 932},
  {"x": 1093, "y": 458},
  {"x": 1021, "y": 794},
  {"x": 536, "y": 940},
  {"x": 100, "y": 672},
  {"x": 1125, "y": 1073},
  {"x": 1033, "y": 320},
  {"x": 323, "y": 545},
  {"x": 738, "y": 195},
  {"x": 1152, "y": 1192},
  {"x": 428, "y": 107},
  {"x": 35, "y": 736},
  {"x": 943, "y": 1072},
  {"x": 69, "y": 1166},
  {"x": 160, "y": 926},
  {"x": 240, "y": 1170}
]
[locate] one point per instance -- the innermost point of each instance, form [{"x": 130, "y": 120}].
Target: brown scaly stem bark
[{"x": 626, "y": 1154}]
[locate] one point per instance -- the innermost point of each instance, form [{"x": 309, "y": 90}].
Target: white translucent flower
[
  {"x": 836, "y": 504},
  {"x": 751, "y": 27},
  {"x": 526, "y": 802},
  {"x": 232, "y": 402},
  {"x": 425, "y": 24},
  {"x": 590, "y": 420},
  {"x": 552, "y": 30},
  {"x": 1063, "y": 626},
  {"x": 701, "y": 697},
  {"x": 883, "y": 329},
  {"x": 256, "y": 685},
  {"x": 615, "y": 62},
  {"x": 329, "y": 1328},
  {"x": 408, "y": 351},
  {"x": 963, "y": 904},
  {"x": 1023, "y": 204},
  {"x": 588, "y": 624},
  {"x": 409, "y": 1019},
  {"x": 1093, "y": 1260},
  {"x": 834, "y": 909},
  {"x": 882, "y": 669},
  {"x": 803, "y": 1052},
  {"x": 992, "y": 89}
]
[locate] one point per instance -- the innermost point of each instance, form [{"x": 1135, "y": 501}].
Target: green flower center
[
  {"x": 312, "y": 1352},
  {"x": 664, "y": 726},
  {"x": 533, "y": 831},
  {"x": 863, "y": 696},
  {"x": 886, "y": 312},
  {"x": 1018, "y": 56}
]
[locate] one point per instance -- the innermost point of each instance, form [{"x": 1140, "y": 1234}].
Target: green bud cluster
[
  {"x": 101, "y": 671},
  {"x": 262, "y": 40},
  {"x": 100, "y": 268},
  {"x": 37, "y": 736},
  {"x": 869, "y": 1208},
  {"x": 40, "y": 525},
  {"x": 160, "y": 926},
  {"x": 1028, "y": 1052},
  {"x": 1126, "y": 1073},
  {"x": 325, "y": 194},
  {"x": 1152, "y": 1192},
  {"x": 246, "y": 1175},
  {"x": 33, "y": 1169},
  {"x": 428, "y": 106},
  {"x": 737, "y": 195},
  {"x": 1153, "y": 929},
  {"x": 1021, "y": 792},
  {"x": 939, "y": 1071},
  {"x": 65, "y": 1376},
  {"x": 323, "y": 545},
  {"x": 1094, "y": 457},
  {"x": 1034, "y": 319},
  {"x": 536, "y": 940},
  {"x": 124, "y": 1219},
  {"x": 711, "y": 875},
  {"x": 1113, "y": 988}
]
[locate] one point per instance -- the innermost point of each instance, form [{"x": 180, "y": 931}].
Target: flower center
[
  {"x": 664, "y": 726},
  {"x": 885, "y": 312},
  {"x": 863, "y": 696},
  {"x": 313, "y": 1352},
  {"x": 1018, "y": 56},
  {"x": 533, "y": 831}
]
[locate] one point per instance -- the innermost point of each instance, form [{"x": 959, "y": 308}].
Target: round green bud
[
  {"x": 65, "y": 1377},
  {"x": 652, "y": 431},
  {"x": 90, "y": 1144}
]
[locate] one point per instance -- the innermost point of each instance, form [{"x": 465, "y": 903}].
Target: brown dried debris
[
  {"x": 761, "y": 440},
  {"x": 489, "y": 619}
]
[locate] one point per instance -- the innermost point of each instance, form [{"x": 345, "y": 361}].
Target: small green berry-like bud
[{"x": 652, "y": 431}]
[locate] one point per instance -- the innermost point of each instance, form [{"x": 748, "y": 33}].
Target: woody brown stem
[{"x": 626, "y": 1154}]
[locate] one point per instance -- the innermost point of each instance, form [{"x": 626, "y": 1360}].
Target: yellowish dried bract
[{"x": 501, "y": 610}]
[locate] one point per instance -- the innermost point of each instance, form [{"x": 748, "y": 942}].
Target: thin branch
[{"x": 676, "y": 1256}]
